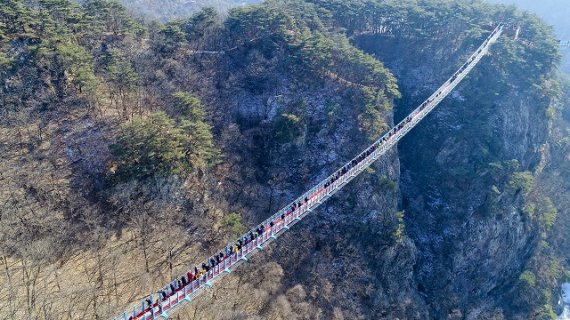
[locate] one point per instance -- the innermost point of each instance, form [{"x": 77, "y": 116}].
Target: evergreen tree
[
  {"x": 149, "y": 147},
  {"x": 158, "y": 146},
  {"x": 200, "y": 144}
]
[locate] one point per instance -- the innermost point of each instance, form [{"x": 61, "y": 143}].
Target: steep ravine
[
  {"x": 466, "y": 237},
  {"x": 344, "y": 260},
  {"x": 469, "y": 252}
]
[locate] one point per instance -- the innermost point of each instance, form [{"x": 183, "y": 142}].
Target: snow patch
[
  {"x": 566, "y": 314},
  {"x": 566, "y": 298}
]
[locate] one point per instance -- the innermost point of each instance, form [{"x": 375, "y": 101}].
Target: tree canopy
[{"x": 158, "y": 146}]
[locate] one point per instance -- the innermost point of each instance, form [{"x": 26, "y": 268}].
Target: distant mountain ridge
[{"x": 165, "y": 10}]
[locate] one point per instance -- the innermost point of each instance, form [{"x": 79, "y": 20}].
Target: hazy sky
[{"x": 554, "y": 12}]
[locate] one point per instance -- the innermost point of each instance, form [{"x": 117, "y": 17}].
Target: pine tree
[
  {"x": 158, "y": 146},
  {"x": 202, "y": 152},
  {"x": 150, "y": 147}
]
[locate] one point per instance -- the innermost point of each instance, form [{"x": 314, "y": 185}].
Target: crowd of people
[{"x": 199, "y": 275}]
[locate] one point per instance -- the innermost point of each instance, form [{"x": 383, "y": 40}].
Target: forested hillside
[
  {"x": 131, "y": 150},
  {"x": 553, "y": 12}
]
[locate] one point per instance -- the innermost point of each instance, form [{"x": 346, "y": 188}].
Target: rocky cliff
[{"x": 465, "y": 218}]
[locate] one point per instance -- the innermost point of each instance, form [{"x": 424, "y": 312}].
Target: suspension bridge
[{"x": 193, "y": 283}]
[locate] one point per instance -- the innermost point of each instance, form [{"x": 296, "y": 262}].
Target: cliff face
[
  {"x": 467, "y": 222},
  {"x": 467, "y": 249},
  {"x": 346, "y": 260},
  {"x": 554, "y": 183}
]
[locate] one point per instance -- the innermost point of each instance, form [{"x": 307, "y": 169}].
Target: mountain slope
[{"x": 253, "y": 109}]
